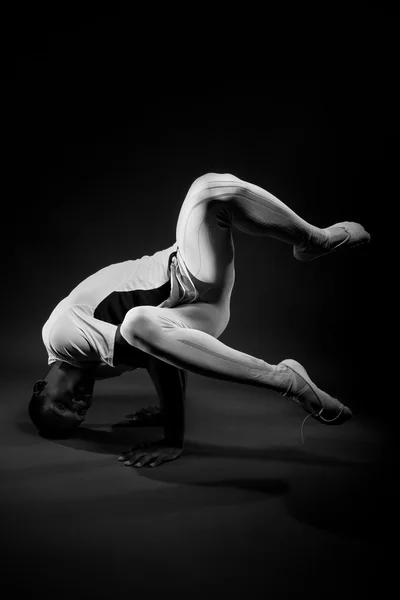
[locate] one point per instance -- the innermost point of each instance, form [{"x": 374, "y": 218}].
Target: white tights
[{"x": 185, "y": 336}]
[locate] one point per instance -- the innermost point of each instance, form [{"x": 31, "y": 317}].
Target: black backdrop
[{"x": 107, "y": 123}]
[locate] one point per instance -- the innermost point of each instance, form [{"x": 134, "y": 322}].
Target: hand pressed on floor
[
  {"x": 150, "y": 416},
  {"x": 152, "y": 454}
]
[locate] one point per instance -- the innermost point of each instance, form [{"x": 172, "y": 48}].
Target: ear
[{"x": 39, "y": 386}]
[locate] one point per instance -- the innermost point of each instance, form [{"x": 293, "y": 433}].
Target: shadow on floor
[
  {"x": 337, "y": 495},
  {"x": 97, "y": 439}
]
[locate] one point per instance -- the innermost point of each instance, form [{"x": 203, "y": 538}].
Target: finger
[
  {"x": 161, "y": 458},
  {"x": 124, "y": 455},
  {"x": 146, "y": 460},
  {"x": 143, "y": 412},
  {"x": 132, "y": 460},
  {"x": 139, "y": 414},
  {"x": 177, "y": 453},
  {"x": 168, "y": 457},
  {"x": 165, "y": 457},
  {"x": 130, "y": 453},
  {"x": 158, "y": 460}
]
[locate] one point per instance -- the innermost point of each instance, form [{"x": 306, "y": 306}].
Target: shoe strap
[{"x": 319, "y": 413}]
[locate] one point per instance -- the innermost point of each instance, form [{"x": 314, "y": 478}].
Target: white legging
[{"x": 186, "y": 336}]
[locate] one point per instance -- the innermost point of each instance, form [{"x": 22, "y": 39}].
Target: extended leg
[{"x": 179, "y": 337}]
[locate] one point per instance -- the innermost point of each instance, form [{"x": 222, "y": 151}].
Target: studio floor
[{"x": 248, "y": 511}]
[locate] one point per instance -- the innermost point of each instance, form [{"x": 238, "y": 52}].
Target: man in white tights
[{"x": 166, "y": 312}]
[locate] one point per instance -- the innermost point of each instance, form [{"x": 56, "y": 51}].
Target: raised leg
[
  {"x": 216, "y": 203},
  {"x": 186, "y": 336}
]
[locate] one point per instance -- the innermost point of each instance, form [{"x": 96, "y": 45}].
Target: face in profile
[{"x": 67, "y": 394}]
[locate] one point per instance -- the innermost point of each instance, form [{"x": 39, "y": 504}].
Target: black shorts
[{"x": 125, "y": 354}]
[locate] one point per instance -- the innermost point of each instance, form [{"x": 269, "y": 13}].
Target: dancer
[{"x": 166, "y": 312}]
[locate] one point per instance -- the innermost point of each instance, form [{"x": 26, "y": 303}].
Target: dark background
[{"x": 107, "y": 119}]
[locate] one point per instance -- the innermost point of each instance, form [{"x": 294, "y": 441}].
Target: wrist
[
  {"x": 174, "y": 430},
  {"x": 174, "y": 441}
]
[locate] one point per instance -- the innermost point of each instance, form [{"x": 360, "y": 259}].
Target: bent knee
[
  {"x": 140, "y": 325},
  {"x": 210, "y": 179}
]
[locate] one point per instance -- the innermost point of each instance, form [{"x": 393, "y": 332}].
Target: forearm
[{"x": 170, "y": 383}]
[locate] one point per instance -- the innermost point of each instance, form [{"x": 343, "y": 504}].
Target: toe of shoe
[{"x": 357, "y": 233}]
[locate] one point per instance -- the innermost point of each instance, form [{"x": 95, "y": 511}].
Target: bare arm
[{"x": 170, "y": 384}]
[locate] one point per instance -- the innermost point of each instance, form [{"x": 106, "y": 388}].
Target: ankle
[{"x": 313, "y": 238}]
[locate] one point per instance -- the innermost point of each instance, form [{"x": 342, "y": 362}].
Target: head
[{"x": 60, "y": 400}]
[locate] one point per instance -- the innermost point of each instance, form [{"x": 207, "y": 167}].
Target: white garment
[{"x": 81, "y": 329}]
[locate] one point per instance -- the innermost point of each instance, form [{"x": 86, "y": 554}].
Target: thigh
[
  {"x": 211, "y": 318},
  {"x": 204, "y": 233},
  {"x": 207, "y": 317}
]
